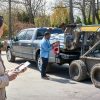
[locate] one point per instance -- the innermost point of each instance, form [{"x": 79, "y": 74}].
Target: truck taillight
[
  {"x": 56, "y": 47},
  {"x": 56, "y": 50}
]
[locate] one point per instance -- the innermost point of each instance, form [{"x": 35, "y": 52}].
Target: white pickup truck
[{"x": 26, "y": 44}]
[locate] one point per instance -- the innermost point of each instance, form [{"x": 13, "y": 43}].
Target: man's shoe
[{"x": 45, "y": 77}]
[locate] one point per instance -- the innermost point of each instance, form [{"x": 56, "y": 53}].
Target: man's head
[
  {"x": 47, "y": 35},
  {"x": 1, "y": 26}
]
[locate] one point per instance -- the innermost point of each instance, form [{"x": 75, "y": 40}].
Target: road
[{"x": 30, "y": 86}]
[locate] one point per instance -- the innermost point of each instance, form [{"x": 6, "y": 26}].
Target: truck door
[
  {"x": 16, "y": 44},
  {"x": 27, "y": 45}
]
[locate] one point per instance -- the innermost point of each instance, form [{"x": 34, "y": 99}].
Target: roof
[{"x": 90, "y": 28}]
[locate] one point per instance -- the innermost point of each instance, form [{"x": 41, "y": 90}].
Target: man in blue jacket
[{"x": 45, "y": 48}]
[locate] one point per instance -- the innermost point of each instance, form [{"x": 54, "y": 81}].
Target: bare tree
[
  {"x": 85, "y": 7},
  {"x": 10, "y": 15},
  {"x": 10, "y": 23},
  {"x": 28, "y": 5},
  {"x": 33, "y": 7},
  {"x": 71, "y": 11}
]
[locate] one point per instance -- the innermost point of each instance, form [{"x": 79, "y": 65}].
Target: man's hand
[
  {"x": 12, "y": 75},
  {"x": 23, "y": 70},
  {"x": 20, "y": 71}
]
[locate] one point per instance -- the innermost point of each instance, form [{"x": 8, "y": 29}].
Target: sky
[{"x": 49, "y": 5}]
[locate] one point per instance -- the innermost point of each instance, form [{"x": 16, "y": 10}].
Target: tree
[
  {"x": 33, "y": 7},
  {"x": 42, "y": 21},
  {"x": 71, "y": 11},
  {"x": 78, "y": 20},
  {"x": 60, "y": 15},
  {"x": 85, "y": 6},
  {"x": 23, "y": 17},
  {"x": 87, "y": 9}
]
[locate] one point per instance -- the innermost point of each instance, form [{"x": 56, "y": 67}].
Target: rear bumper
[{"x": 67, "y": 58}]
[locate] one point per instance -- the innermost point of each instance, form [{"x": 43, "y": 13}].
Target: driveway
[{"x": 30, "y": 86}]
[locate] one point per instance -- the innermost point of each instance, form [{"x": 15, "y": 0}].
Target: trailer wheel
[
  {"x": 95, "y": 75},
  {"x": 77, "y": 70}
]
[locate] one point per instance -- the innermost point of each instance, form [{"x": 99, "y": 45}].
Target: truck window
[
  {"x": 40, "y": 33},
  {"x": 29, "y": 34},
  {"x": 21, "y": 35},
  {"x": 58, "y": 31}
]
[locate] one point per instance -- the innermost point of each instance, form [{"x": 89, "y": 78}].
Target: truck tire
[
  {"x": 10, "y": 56},
  {"x": 39, "y": 64},
  {"x": 95, "y": 75},
  {"x": 77, "y": 70}
]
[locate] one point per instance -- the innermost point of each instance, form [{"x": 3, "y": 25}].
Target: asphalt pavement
[{"x": 30, "y": 86}]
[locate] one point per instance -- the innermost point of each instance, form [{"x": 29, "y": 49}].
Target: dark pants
[{"x": 44, "y": 65}]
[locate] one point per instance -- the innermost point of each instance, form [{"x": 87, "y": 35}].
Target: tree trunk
[
  {"x": 10, "y": 23},
  {"x": 84, "y": 16},
  {"x": 97, "y": 12},
  {"x": 93, "y": 11},
  {"x": 29, "y": 10},
  {"x": 31, "y": 18},
  {"x": 89, "y": 17},
  {"x": 83, "y": 12},
  {"x": 71, "y": 11}
]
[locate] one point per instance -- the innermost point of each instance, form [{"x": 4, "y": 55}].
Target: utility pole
[
  {"x": 71, "y": 11},
  {"x": 10, "y": 24}
]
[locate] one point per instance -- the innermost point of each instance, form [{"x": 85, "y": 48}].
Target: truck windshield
[
  {"x": 40, "y": 32},
  {"x": 52, "y": 31},
  {"x": 58, "y": 31}
]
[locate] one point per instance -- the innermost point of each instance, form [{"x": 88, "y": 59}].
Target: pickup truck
[{"x": 26, "y": 44}]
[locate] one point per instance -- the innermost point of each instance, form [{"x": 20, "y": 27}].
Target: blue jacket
[{"x": 45, "y": 48}]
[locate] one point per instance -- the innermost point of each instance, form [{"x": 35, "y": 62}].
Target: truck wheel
[
  {"x": 39, "y": 64},
  {"x": 10, "y": 57},
  {"x": 77, "y": 70},
  {"x": 95, "y": 75}
]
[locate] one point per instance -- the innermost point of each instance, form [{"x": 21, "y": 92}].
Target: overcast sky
[{"x": 49, "y": 5}]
